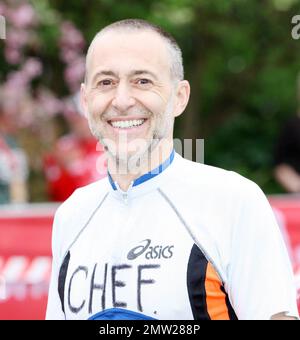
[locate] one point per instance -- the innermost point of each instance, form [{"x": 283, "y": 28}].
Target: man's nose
[{"x": 123, "y": 99}]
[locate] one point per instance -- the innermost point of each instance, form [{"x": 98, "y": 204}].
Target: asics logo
[{"x": 150, "y": 252}]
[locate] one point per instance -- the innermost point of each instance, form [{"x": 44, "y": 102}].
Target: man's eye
[
  {"x": 144, "y": 81},
  {"x": 105, "y": 82}
]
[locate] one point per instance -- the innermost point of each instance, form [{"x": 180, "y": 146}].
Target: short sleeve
[{"x": 260, "y": 278}]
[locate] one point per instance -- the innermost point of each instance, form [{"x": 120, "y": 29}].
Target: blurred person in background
[
  {"x": 287, "y": 156},
  {"x": 73, "y": 161},
  {"x": 13, "y": 163}
]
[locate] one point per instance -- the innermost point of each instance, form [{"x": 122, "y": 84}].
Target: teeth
[{"x": 125, "y": 124}]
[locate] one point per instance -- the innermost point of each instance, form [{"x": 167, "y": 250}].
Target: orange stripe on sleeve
[{"x": 215, "y": 298}]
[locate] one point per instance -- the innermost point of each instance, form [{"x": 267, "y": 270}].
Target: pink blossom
[
  {"x": 15, "y": 99},
  {"x": 49, "y": 104},
  {"x": 71, "y": 36},
  {"x": 23, "y": 16},
  {"x": 17, "y": 38},
  {"x": 32, "y": 68},
  {"x": 3, "y": 9},
  {"x": 74, "y": 73},
  {"x": 12, "y": 56},
  {"x": 17, "y": 80},
  {"x": 16, "y": 92},
  {"x": 68, "y": 55}
]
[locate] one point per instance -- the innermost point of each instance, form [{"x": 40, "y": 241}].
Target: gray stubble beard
[{"x": 135, "y": 160}]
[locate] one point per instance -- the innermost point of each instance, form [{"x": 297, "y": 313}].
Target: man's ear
[
  {"x": 182, "y": 97},
  {"x": 83, "y": 99}
]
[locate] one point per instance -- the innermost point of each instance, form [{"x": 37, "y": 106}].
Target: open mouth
[{"x": 127, "y": 124}]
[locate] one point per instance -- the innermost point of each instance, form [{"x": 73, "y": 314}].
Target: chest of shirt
[{"x": 131, "y": 259}]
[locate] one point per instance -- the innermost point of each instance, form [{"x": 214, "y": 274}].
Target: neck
[{"x": 125, "y": 174}]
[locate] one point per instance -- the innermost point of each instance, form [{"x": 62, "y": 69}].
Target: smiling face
[{"x": 130, "y": 97}]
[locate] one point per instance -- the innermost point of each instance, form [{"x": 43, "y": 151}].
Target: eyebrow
[
  {"x": 103, "y": 73},
  {"x": 140, "y": 72},
  {"x": 132, "y": 73}
]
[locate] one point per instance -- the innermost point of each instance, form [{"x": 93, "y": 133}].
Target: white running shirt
[{"x": 190, "y": 241}]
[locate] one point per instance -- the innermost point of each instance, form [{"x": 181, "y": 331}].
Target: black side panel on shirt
[
  {"x": 62, "y": 279},
  {"x": 196, "y": 284},
  {"x": 231, "y": 311}
]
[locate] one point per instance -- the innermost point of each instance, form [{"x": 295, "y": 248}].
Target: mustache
[{"x": 110, "y": 114}]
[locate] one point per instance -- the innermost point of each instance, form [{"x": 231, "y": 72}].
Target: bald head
[{"x": 139, "y": 26}]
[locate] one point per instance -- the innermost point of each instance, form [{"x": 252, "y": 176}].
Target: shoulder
[
  {"x": 73, "y": 214},
  {"x": 210, "y": 180},
  {"x": 82, "y": 197},
  {"x": 219, "y": 198}
]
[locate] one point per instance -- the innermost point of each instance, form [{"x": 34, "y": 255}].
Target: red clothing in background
[{"x": 73, "y": 163}]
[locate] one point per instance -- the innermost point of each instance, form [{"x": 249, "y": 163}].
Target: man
[{"x": 161, "y": 237}]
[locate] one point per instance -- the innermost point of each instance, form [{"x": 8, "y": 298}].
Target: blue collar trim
[{"x": 150, "y": 174}]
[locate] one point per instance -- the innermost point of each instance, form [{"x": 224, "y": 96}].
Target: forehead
[{"x": 122, "y": 51}]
